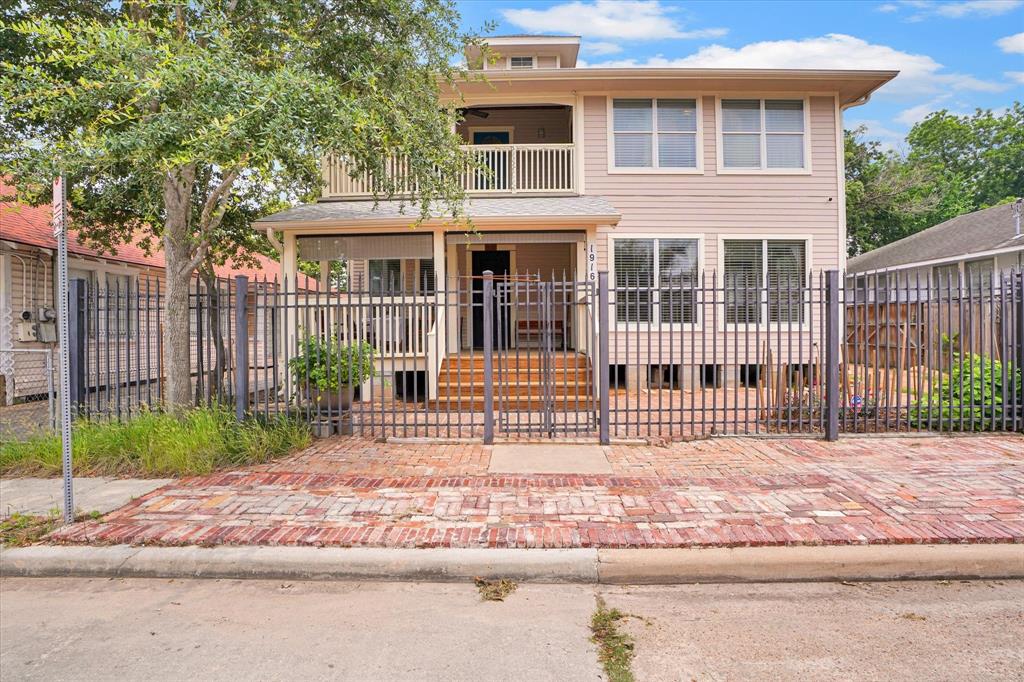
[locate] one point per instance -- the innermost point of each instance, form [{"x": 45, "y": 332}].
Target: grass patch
[
  {"x": 158, "y": 444},
  {"x": 615, "y": 648},
  {"x": 495, "y": 590},
  {"x": 19, "y": 530}
]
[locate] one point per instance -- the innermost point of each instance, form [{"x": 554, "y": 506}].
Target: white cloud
[
  {"x": 887, "y": 8},
  {"x": 920, "y": 75},
  {"x": 953, "y": 10},
  {"x": 1015, "y": 76},
  {"x": 985, "y": 8},
  {"x": 914, "y": 114},
  {"x": 601, "y": 48},
  {"x": 613, "y": 19},
  {"x": 1013, "y": 44}
]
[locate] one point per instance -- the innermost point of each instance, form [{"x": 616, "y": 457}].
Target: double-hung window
[
  {"x": 655, "y": 133},
  {"x": 763, "y": 134},
  {"x": 520, "y": 62},
  {"x": 655, "y": 280},
  {"x": 765, "y": 279}
]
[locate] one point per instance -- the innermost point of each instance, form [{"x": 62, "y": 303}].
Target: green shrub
[
  {"x": 972, "y": 392},
  {"x": 326, "y": 363},
  {"x": 158, "y": 444}
]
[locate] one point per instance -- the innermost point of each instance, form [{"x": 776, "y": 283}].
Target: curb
[
  {"x": 302, "y": 563},
  {"x": 587, "y": 566}
]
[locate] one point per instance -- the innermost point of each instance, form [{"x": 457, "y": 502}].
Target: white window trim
[
  {"x": 763, "y": 170},
  {"x": 653, "y": 170},
  {"x": 533, "y": 62},
  {"x": 658, "y": 325},
  {"x": 805, "y": 326}
]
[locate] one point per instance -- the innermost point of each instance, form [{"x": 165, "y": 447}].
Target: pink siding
[{"x": 712, "y": 204}]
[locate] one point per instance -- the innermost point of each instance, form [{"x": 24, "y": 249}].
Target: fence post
[
  {"x": 603, "y": 389},
  {"x": 1019, "y": 364},
  {"x": 76, "y": 343},
  {"x": 487, "y": 302},
  {"x": 832, "y": 355},
  {"x": 241, "y": 346}
]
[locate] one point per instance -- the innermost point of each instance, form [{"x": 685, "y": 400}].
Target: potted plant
[{"x": 329, "y": 372}]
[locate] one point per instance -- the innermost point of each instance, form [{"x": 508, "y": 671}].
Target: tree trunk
[
  {"x": 214, "y": 312},
  {"x": 178, "y": 186}
]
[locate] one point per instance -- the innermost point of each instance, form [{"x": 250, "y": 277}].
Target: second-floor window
[
  {"x": 520, "y": 62},
  {"x": 655, "y": 133},
  {"x": 763, "y": 134}
]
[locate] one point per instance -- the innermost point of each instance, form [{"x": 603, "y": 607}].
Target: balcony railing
[{"x": 500, "y": 169}]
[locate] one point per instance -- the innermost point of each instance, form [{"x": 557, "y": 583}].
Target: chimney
[{"x": 1016, "y": 217}]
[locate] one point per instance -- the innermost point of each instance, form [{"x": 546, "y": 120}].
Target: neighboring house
[
  {"x": 650, "y": 174},
  {"x": 964, "y": 251},
  {"x": 27, "y": 293}
]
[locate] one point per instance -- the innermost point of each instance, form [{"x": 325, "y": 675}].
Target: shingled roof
[{"x": 989, "y": 229}]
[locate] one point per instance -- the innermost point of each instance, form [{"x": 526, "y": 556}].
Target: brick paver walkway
[{"x": 725, "y": 492}]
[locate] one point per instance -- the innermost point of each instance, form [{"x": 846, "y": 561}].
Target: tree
[
  {"x": 177, "y": 119},
  {"x": 983, "y": 151},
  {"x": 952, "y": 165}
]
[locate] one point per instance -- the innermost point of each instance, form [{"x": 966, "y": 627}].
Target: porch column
[{"x": 439, "y": 351}]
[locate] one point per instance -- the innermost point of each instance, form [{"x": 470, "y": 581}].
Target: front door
[
  {"x": 498, "y": 262},
  {"x": 496, "y": 160}
]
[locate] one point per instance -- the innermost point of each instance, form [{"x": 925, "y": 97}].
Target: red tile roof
[{"x": 31, "y": 225}]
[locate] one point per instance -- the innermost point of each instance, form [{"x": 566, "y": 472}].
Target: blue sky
[{"x": 955, "y": 55}]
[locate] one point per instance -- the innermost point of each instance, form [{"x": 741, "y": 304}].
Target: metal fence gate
[{"x": 544, "y": 378}]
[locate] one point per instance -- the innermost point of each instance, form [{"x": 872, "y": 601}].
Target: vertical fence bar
[
  {"x": 604, "y": 320},
  {"x": 76, "y": 343},
  {"x": 488, "y": 312},
  {"x": 832, "y": 354},
  {"x": 241, "y": 347},
  {"x": 1018, "y": 365}
]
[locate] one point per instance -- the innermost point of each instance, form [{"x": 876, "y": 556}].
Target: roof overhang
[
  {"x": 566, "y": 47},
  {"x": 574, "y": 211},
  {"x": 852, "y": 86}
]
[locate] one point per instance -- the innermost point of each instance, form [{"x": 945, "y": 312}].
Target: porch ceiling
[{"x": 576, "y": 209}]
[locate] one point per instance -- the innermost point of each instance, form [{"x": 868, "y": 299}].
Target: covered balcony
[{"x": 516, "y": 150}]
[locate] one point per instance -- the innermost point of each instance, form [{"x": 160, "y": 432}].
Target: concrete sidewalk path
[
  {"x": 587, "y": 566},
  {"x": 40, "y": 495}
]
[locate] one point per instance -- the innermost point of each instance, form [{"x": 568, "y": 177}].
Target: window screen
[
  {"x": 744, "y": 265},
  {"x": 634, "y": 133},
  {"x": 758, "y": 134},
  {"x": 765, "y": 276},
  {"x": 655, "y": 279},
  {"x": 634, "y": 279},
  {"x": 659, "y": 133}
]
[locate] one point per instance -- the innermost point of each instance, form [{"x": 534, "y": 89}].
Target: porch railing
[{"x": 494, "y": 170}]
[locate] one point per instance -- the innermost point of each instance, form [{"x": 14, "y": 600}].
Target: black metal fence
[{"x": 533, "y": 355}]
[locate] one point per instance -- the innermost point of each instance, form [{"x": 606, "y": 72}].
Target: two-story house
[{"x": 655, "y": 175}]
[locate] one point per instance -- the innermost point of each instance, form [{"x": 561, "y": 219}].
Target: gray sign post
[{"x": 60, "y": 231}]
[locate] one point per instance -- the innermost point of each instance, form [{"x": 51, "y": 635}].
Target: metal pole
[
  {"x": 488, "y": 295},
  {"x": 61, "y": 233},
  {"x": 832, "y": 355},
  {"x": 241, "y": 347},
  {"x": 603, "y": 390}
]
